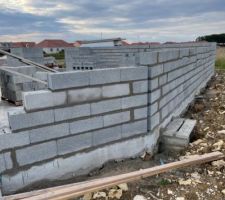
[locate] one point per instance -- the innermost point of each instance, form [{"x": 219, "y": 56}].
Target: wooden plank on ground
[{"x": 71, "y": 191}]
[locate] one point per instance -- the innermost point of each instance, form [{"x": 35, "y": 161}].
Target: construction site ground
[{"x": 204, "y": 182}]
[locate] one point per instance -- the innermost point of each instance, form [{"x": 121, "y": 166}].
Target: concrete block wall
[
  {"x": 33, "y": 54},
  {"x": 100, "y": 115},
  {"x": 12, "y": 85},
  {"x": 175, "y": 77},
  {"x": 76, "y": 116}
]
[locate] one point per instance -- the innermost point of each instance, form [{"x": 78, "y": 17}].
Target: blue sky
[{"x": 136, "y": 20}]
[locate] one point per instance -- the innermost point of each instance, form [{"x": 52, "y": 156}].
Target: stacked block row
[
  {"x": 175, "y": 76},
  {"x": 73, "y": 116}
]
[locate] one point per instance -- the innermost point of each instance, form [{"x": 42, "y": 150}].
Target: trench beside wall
[{"x": 87, "y": 118}]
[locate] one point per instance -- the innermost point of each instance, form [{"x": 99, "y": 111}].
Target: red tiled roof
[
  {"x": 23, "y": 44},
  {"x": 53, "y": 44}
]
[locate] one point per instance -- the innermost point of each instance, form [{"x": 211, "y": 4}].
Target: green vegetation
[
  {"x": 219, "y": 38},
  {"x": 220, "y": 58},
  {"x": 57, "y": 56},
  {"x": 164, "y": 182}
]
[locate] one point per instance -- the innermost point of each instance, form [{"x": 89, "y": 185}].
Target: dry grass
[{"x": 220, "y": 58}]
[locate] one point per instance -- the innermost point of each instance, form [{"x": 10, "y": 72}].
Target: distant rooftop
[{"x": 53, "y": 44}]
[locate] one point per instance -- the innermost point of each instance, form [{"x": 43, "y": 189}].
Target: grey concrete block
[
  {"x": 140, "y": 87},
  {"x": 167, "y": 55},
  {"x": 104, "y": 76},
  {"x": 184, "y": 52},
  {"x": 153, "y": 108},
  {"x": 154, "y": 96},
  {"x": 2, "y": 163},
  {"x": 155, "y": 71},
  {"x": 153, "y": 84},
  {"x": 84, "y": 95},
  {"x": 140, "y": 113},
  {"x": 134, "y": 128},
  {"x": 36, "y": 100},
  {"x": 36, "y": 153},
  {"x": 10, "y": 141},
  {"x": 163, "y": 79},
  {"x": 133, "y": 73},
  {"x": 24, "y": 120},
  {"x": 154, "y": 120},
  {"x": 65, "y": 80},
  {"x": 86, "y": 125},
  {"x": 8, "y": 160},
  {"x": 74, "y": 143},
  {"x": 72, "y": 112},
  {"x": 148, "y": 58},
  {"x": 134, "y": 101},
  {"x": 106, "y": 106},
  {"x": 49, "y": 132},
  {"x": 116, "y": 118},
  {"x": 107, "y": 135},
  {"x": 115, "y": 90}
]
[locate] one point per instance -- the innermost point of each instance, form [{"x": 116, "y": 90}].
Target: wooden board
[{"x": 76, "y": 190}]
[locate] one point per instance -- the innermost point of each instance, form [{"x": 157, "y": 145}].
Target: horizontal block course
[
  {"x": 72, "y": 112},
  {"x": 23, "y": 120},
  {"x": 134, "y": 101},
  {"x": 107, "y": 135},
  {"x": 74, "y": 143},
  {"x": 134, "y": 73},
  {"x": 63, "y": 80},
  {"x": 36, "y": 100},
  {"x": 86, "y": 125},
  {"x": 115, "y": 90},
  {"x": 36, "y": 153},
  {"x": 106, "y": 106},
  {"x": 134, "y": 128},
  {"x": 116, "y": 118},
  {"x": 140, "y": 87},
  {"x": 148, "y": 58},
  {"x": 84, "y": 95}
]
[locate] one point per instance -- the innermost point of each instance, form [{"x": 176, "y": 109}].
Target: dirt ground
[{"x": 205, "y": 182}]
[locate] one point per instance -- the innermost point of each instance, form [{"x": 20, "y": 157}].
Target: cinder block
[
  {"x": 154, "y": 120},
  {"x": 84, "y": 95},
  {"x": 155, "y": 71},
  {"x": 107, "y": 135},
  {"x": 153, "y": 108},
  {"x": 103, "y": 76},
  {"x": 36, "y": 153},
  {"x": 134, "y": 73},
  {"x": 86, "y": 125},
  {"x": 74, "y": 143},
  {"x": 24, "y": 120},
  {"x": 115, "y": 90},
  {"x": 154, "y": 95},
  {"x": 49, "y": 132},
  {"x": 153, "y": 83},
  {"x": 140, "y": 113},
  {"x": 2, "y": 163},
  {"x": 36, "y": 100},
  {"x": 10, "y": 141},
  {"x": 134, "y": 128},
  {"x": 72, "y": 112},
  {"x": 148, "y": 58},
  {"x": 116, "y": 118},
  {"x": 140, "y": 87},
  {"x": 184, "y": 52},
  {"x": 167, "y": 55},
  {"x": 8, "y": 160},
  {"x": 65, "y": 80},
  {"x": 106, "y": 106},
  {"x": 163, "y": 79},
  {"x": 134, "y": 101}
]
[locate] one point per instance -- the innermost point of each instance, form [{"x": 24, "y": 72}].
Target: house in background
[
  {"x": 53, "y": 46},
  {"x": 23, "y": 44}
]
